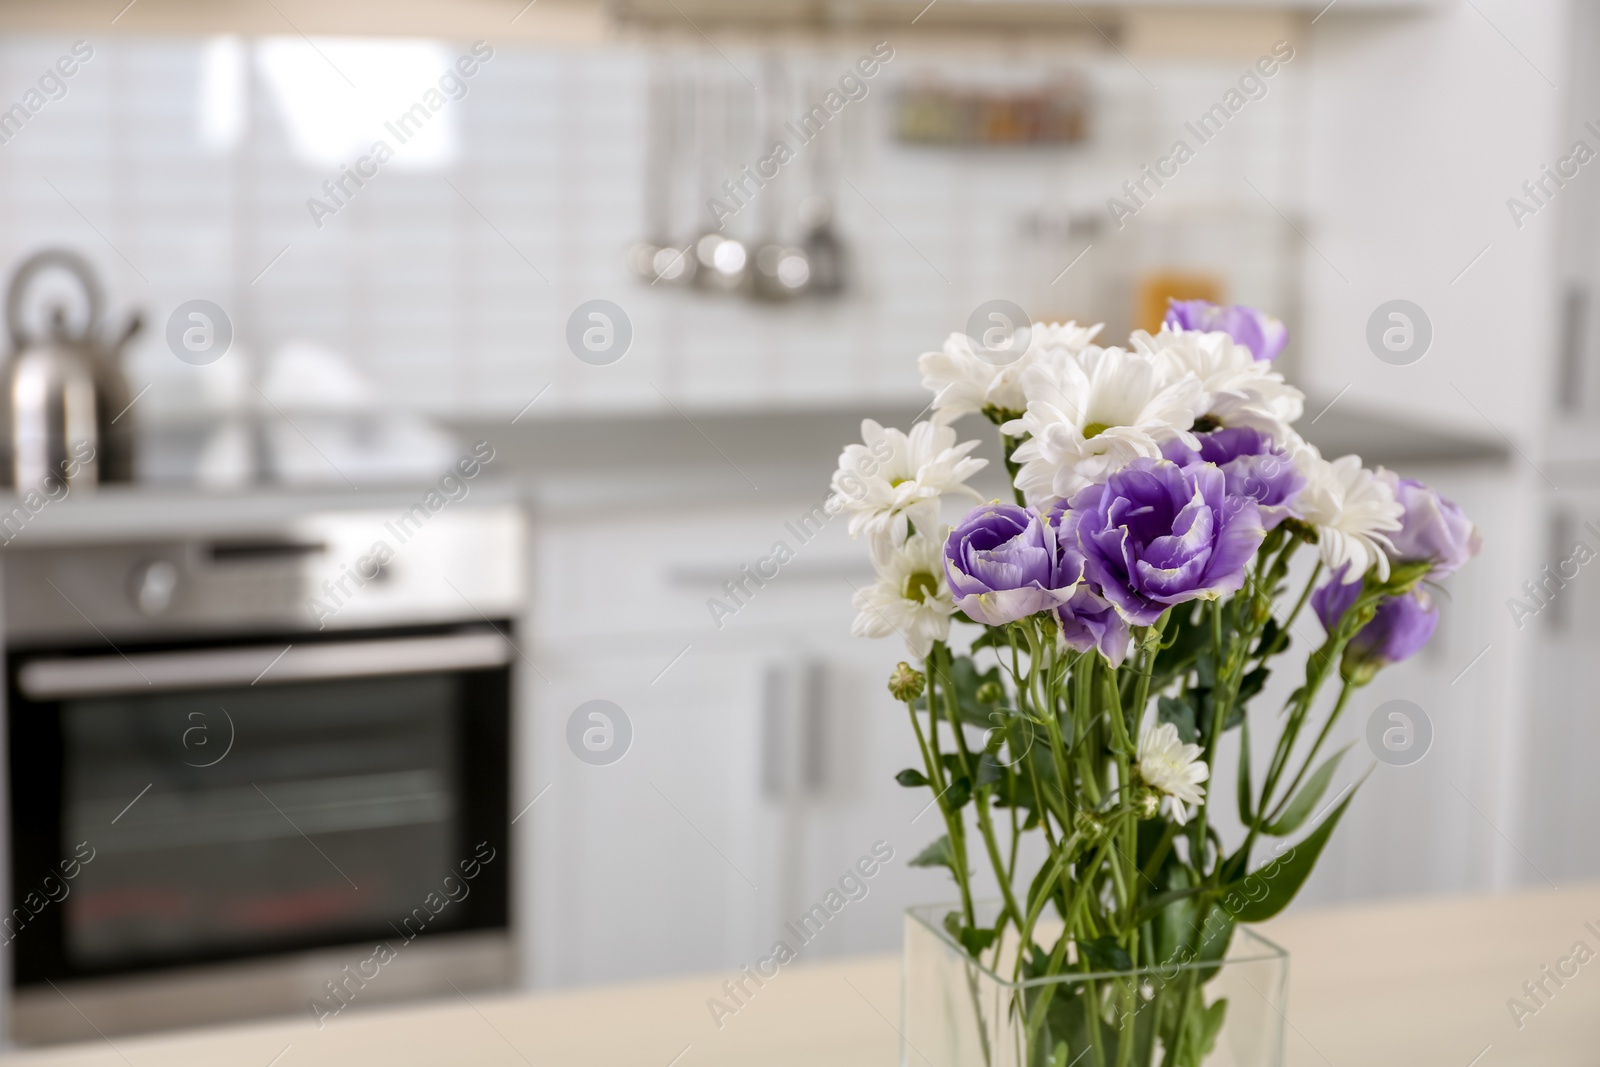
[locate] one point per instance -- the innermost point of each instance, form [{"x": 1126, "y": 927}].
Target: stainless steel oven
[{"x": 230, "y": 762}]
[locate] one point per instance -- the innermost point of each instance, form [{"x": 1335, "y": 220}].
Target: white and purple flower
[
  {"x": 894, "y": 483},
  {"x": 1240, "y": 389},
  {"x": 1401, "y": 628},
  {"x": 1157, "y": 534},
  {"x": 1004, "y": 563},
  {"x": 1262, "y": 334},
  {"x": 1091, "y": 415},
  {"x": 1353, "y": 510},
  {"x": 966, "y": 382},
  {"x": 1431, "y": 527},
  {"x": 1252, "y": 467},
  {"x": 1089, "y": 620},
  {"x": 910, "y": 597}
]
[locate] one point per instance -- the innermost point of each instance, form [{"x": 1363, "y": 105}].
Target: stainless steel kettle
[{"x": 63, "y": 398}]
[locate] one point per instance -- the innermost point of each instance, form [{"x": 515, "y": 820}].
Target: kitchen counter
[
  {"x": 569, "y": 463},
  {"x": 799, "y": 449},
  {"x": 1415, "y": 982}
]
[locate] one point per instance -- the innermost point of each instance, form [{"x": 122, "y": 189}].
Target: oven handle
[{"x": 59, "y": 677}]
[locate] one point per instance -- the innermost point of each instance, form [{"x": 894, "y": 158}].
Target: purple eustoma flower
[
  {"x": 1005, "y": 563},
  {"x": 1089, "y": 621},
  {"x": 1157, "y": 534},
  {"x": 1401, "y": 628},
  {"x": 1432, "y": 528},
  {"x": 1252, "y": 467},
  {"x": 1262, "y": 334}
]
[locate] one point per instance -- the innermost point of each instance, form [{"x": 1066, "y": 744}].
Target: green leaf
[
  {"x": 938, "y": 854},
  {"x": 1266, "y": 891},
  {"x": 1305, "y": 801},
  {"x": 1048, "y": 876},
  {"x": 990, "y": 770},
  {"x": 963, "y": 676},
  {"x": 960, "y": 791},
  {"x": 1245, "y": 789},
  {"x": 911, "y": 778},
  {"x": 1235, "y": 716},
  {"x": 1403, "y": 577},
  {"x": 1156, "y": 905},
  {"x": 975, "y": 939},
  {"x": 992, "y": 637},
  {"x": 972, "y": 938},
  {"x": 1249, "y": 686},
  {"x": 1104, "y": 954},
  {"x": 1270, "y": 633},
  {"x": 1180, "y": 713},
  {"x": 1214, "y": 938},
  {"x": 1200, "y": 1029},
  {"x": 1184, "y": 639}
]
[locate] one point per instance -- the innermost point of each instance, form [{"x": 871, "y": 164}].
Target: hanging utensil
[
  {"x": 781, "y": 272},
  {"x": 825, "y": 252},
  {"x": 721, "y": 259},
  {"x": 656, "y": 259}
]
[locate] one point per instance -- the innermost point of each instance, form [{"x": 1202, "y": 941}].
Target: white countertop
[{"x": 1424, "y": 981}]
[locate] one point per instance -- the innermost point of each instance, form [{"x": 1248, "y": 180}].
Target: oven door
[{"x": 178, "y": 804}]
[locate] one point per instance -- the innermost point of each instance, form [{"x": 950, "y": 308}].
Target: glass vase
[{"x": 964, "y": 1011}]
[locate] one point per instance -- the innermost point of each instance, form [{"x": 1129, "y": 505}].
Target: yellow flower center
[
  {"x": 1095, "y": 429},
  {"x": 920, "y": 587}
]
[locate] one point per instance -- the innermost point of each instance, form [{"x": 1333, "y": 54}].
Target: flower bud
[
  {"x": 905, "y": 683},
  {"x": 991, "y": 692},
  {"x": 1090, "y": 825},
  {"x": 1260, "y": 611}
]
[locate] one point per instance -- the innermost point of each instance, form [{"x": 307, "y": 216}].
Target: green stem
[
  {"x": 1327, "y": 727},
  {"x": 950, "y": 826},
  {"x": 980, "y": 795},
  {"x": 1036, "y": 1016},
  {"x": 1305, "y": 595},
  {"x": 1008, "y": 445}
]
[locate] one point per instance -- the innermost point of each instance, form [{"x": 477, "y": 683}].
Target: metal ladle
[{"x": 781, "y": 272}]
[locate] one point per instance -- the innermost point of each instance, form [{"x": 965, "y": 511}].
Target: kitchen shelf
[{"x": 997, "y": 15}]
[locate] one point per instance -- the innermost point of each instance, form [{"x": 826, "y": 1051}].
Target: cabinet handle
[
  {"x": 794, "y": 729},
  {"x": 1562, "y": 536},
  {"x": 1574, "y": 336},
  {"x": 773, "y": 779},
  {"x": 814, "y": 727}
]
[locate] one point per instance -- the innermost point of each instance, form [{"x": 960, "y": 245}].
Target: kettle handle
[{"x": 73, "y": 264}]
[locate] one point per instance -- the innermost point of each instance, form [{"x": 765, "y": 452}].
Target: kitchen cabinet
[
  {"x": 1558, "y": 617},
  {"x": 761, "y": 759}
]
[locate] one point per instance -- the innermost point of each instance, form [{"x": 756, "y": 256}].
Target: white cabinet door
[
  {"x": 1560, "y": 589},
  {"x": 762, "y": 755},
  {"x": 652, "y": 863}
]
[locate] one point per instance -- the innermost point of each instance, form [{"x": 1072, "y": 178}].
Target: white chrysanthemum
[
  {"x": 1170, "y": 766},
  {"x": 895, "y": 481},
  {"x": 1063, "y": 336},
  {"x": 1091, "y": 415},
  {"x": 1351, "y": 508},
  {"x": 910, "y": 596},
  {"x": 964, "y": 380},
  {"x": 1240, "y": 389}
]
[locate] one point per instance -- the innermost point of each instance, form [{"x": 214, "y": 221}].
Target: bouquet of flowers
[{"x": 1123, "y": 610}]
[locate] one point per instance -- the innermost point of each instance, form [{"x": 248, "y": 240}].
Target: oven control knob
[{"x": 153, "y": 586}]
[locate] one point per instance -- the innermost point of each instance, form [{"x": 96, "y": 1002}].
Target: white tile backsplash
[{"x": 436, "y": 292}]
